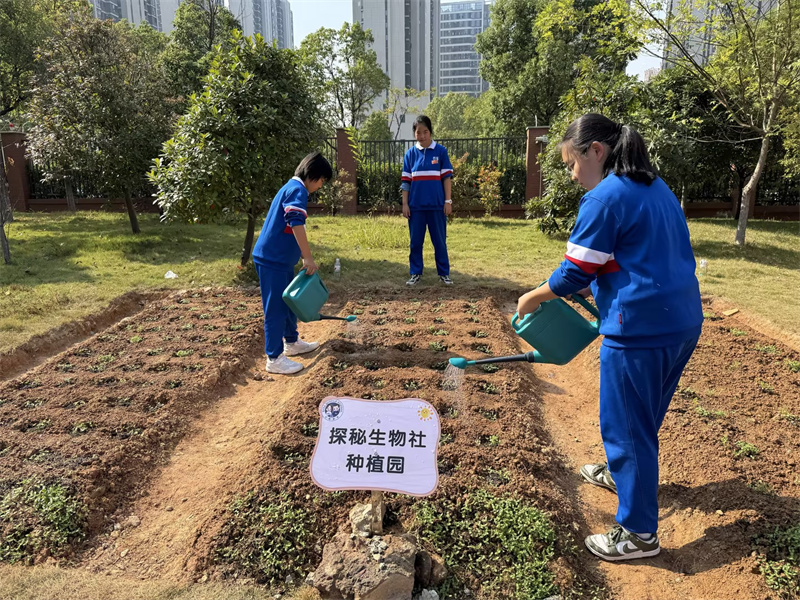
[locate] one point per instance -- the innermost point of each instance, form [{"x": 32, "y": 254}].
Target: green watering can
[
  {"x": 555, "y": 329},
  {"x": 306, "y": 295}
]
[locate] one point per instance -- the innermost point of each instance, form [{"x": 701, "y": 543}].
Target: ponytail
[{"x": 628, "y": 153}]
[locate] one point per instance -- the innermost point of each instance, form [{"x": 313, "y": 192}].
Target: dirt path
[{"x": 210, "y": 465}]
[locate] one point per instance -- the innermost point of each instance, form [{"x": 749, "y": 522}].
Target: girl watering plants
[
  {"x": 631, "y": 244},
  {"x": 426, "y": 182},
  {"x": 280, "y": 245}
]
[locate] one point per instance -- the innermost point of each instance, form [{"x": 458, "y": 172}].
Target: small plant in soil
[
  {"x": 173, "y": 383},
  {"x": 490, "y": 368},
  {"x": 238, "y": 327},
  {"x": 28, "y": 384},
  {"x": 488, "y": 387},
  {"x": 371, "y": 365},
  {"x": 187, "y": 327},
  {"x": 479, "y": 334},
  {"x": 106, "y": 337},
  {"x": 211, "y": 354},
  {"x": 159, "y": 367},
  {"x": 67, "y": 381},
  {"x": 379, "y": 311},
  {"x": 358, "y": 311},
  {"x": 766, "y": 387},
  {"x": 761, "y": 487},
  {"x": 155, "y": 351},
  {"x": 737, "y": 332},
  {"x": 404, "y": 347},
  {"x": 439, "y": 366},
  {"x": 791, "y": 418},
  {"x": 411, "y": 312},
  {"x": 491, "y": 414},
  {"x": 155, "y": 329},
  {"x": 381, "y": 322},
  {"x": 75, "y": 403},
  {"x": 196, "y": 368},
  {"x": 709, "y": 414},
  {"x": 404, "y": 365},
  {"x": 408, "y": 333},
  {"x": 136, "y": 339},
  {"x": 340, "y": 365},
  {"x": 126, "y": 431},
  {"x": 40, "y": 456},
  {"x": 482, "y": 348},
  {"x": 437, "y": 346},
  {"x": 474, "y": 320},
  {"x": 449, "y": 412},
  {"x": 779, "y": 559},
  {"x": 409, "y": 320},
  {"x": 438, "y": 320},
  {"x": 39, "y": 426},
  {"x": 441, "y": 332},
  {"x": 488, "y": 440},
  {"x": 82, "y": 428},
  {"x": 209, "y": 327},
  {"x": 446, "y": 438},
  {"x": 204, "y": 316},
  {"x": 379, "y": 383},
  {"x": 310, "y": 429},
  {"x": 82, "y": 352},
  {"x": 65, "y": 367},
  {"x": 767, "y": 348},
  {"x": 497, "y": 476},
  {"x": 792, "y": 365},
  {"x": 183, "y": 353},
  {"x": 222, "y": 341},
  {"x": 745, "y": 450},
  {"x": 412, "y": 385},
  {"x": 331, "y": 382},
  {"x": 183, "y": 301}
]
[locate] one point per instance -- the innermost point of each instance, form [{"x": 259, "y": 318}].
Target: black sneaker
[
  {"x": 619, "y": 544},
  {"x": 446, "y": 279},
  {"x": 414, "y": 279}
]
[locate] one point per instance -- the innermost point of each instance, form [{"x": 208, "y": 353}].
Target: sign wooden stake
[{"x": 378, "y": 510}]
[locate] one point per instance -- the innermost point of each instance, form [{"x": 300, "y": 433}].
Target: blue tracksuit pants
[
  {"x": 280, "y": 323},
  {"x": 636, "y": 387},
  {"x": 436, "y": 222}
]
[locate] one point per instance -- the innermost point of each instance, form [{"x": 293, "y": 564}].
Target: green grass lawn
[{"x": 68, "y": 266}]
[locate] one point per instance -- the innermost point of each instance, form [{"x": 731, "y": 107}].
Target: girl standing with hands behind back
[{"x": 631, "y": 244}]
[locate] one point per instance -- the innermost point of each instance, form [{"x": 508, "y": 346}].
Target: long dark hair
[
  {"x": 628, "y": 155},
  {"x": 422, "y": 120}
]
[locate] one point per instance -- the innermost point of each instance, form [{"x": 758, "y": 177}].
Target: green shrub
[
  {"x": 780, "y": 564},
  {"x": 36, "y": 516}
]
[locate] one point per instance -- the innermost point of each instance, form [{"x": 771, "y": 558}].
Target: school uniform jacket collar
[
  {"x": 431, "y": 147},
  {"x": 296, "y": 178}
]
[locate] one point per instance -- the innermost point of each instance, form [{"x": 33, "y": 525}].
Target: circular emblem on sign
[
  {"x": 425, "y": 413},
  {"x": 332, "y": 410}
]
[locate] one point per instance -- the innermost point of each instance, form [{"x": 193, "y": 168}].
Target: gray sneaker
[
  {"x": 619, "y": 544},
  {"x": 598, "y": 474},
  {"x": 414, "y": 279}
]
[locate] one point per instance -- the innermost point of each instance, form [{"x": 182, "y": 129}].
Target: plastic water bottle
[
  {"x": 703, "y": 266},
  {"x": 337, "y": 269}
]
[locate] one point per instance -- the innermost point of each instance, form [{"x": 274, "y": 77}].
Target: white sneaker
[
  {"x": 283, "y": 366},
  {"x": 299, "y": 347}
]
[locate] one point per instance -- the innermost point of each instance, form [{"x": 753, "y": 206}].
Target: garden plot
[
  {"x": 502, "y": 516},
  {"x": 80, "y": 434}
]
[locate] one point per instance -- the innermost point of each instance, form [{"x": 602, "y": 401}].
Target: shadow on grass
[{"x": 754, "y": 252}]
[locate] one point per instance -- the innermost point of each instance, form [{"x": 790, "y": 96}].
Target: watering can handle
[
  {"x": 585, "y": 304},
  {"x": 303, "y": 270}
]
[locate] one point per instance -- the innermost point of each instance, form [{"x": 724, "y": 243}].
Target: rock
[
  {"x": 348, "y": 570},
  {"x": 428, "y": 595},
  {"x": 438, "y": 571},
  {"x": 423, "y": 566},
  {"x": 132, "y": 521},
  {"x": 124, "y": 553},
  {"x": 169, "y": 509},
  {"x": 258, "y": 376},
  {"x": 361, "y": 519}
]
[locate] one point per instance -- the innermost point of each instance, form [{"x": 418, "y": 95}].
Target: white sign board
[{"x": 369, "y": 445}]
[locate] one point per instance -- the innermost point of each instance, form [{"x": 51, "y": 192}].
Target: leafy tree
[
  {"x": 791, "y": 160},
  {"x": 375, "y": 127},
  {"x": 754, "y": 74},
  {"x": 241, "y": 139},
  {"x": 462, "y": 116},
  {"x": 344, "y": 71},
  {"x": 199, "y": 26},
  {"x": 99, "y": 107}
]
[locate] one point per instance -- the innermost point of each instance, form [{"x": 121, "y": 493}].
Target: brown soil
[{"x": 175, "y": 456}]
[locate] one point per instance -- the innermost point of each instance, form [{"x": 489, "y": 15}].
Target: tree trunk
[
  {"x": 749, "y": 191},
  {"x": 248, "y": 239},
  {"x": 131, "y": 212},
  {"x": 70, "y": 196},
  {"x": 4, "y": 241}
]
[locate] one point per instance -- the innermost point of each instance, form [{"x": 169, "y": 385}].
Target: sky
[{"x": 310, "y": 15}]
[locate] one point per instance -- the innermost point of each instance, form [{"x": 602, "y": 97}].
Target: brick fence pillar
[
  {"x": 536, "y": 142},
  {"x": 347, "y": 162},
  {"x": 16, "y": 169}
]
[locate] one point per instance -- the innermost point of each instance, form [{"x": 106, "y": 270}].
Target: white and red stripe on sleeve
[
  {"x": 288, "y": 209},
  {"x": 591, "y": 261},
  {"x": 426, "y": 175}
]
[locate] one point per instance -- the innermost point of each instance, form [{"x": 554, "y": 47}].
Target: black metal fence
[
  {"x": 83, "y": 186},
  {"x": 380, "y": 166}
]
